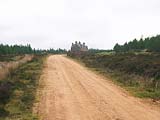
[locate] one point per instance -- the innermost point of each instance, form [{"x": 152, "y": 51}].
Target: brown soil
[{"x": 72, "y": 92}]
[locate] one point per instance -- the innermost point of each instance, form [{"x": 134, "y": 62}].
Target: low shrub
[
  {"x": 130, "y": 69},
  {"x": 17, "y": 91}
]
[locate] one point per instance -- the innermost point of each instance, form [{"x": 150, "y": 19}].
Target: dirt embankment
[
  {"x": 72, "y": 92},
  {"x": 6, "y": 67}
]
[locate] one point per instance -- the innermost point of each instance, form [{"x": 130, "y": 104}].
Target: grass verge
[
  {"x": 138, "y": 74},
  {"x": 7, "y": 58},
  {"x": 18, "y": 90}
]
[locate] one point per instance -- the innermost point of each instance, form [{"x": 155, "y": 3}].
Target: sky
[{"x": 57, "y": 23}]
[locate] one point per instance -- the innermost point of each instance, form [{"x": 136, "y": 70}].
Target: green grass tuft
[
  {"x": 138, "y": 73},
  {"x": 21, "y": 89}
]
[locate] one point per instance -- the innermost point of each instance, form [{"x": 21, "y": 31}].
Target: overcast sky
[{"x": 58, "y": 23}]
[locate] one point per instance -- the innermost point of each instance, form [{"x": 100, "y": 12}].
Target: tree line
[
  {"x": 15, "y": 49},
  {"x": 151, "y": 44},
  {"x": 50, "y": 51},
  {"x": 26, "y": 49}
]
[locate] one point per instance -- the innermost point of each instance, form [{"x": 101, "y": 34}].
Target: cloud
[{"x": 58, "y": 23}]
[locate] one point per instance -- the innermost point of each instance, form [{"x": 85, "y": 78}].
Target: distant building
[{"x": 77, "y": 47}]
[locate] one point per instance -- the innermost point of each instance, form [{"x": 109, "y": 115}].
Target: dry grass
[
  {"x": 7, "y": 67},
  {"x": 140, "y": 73},
  {"x": 20, "y": 90}
]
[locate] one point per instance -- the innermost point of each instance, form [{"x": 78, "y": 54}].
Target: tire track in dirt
[{"x": 72, "y": 92}]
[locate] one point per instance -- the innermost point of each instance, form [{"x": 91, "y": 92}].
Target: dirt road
[{"x": 72, "y": 92}]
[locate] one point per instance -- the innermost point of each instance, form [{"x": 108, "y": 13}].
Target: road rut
[{"x": 72, "y": 92}]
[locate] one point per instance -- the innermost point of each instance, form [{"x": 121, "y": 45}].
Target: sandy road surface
[{"x": 71, "y": 92}]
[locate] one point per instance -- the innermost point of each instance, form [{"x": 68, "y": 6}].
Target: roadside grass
[
  {"x": 132, "y": 83},
  {"x": 7, "y": 58},
  {"x": 105, "y": 53},
  {"x": 20, "y": 88},
  {"x": 135, "y": 85},
  {"x": 6, "y": 67},
  {"x": 137, "y": 73}
]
